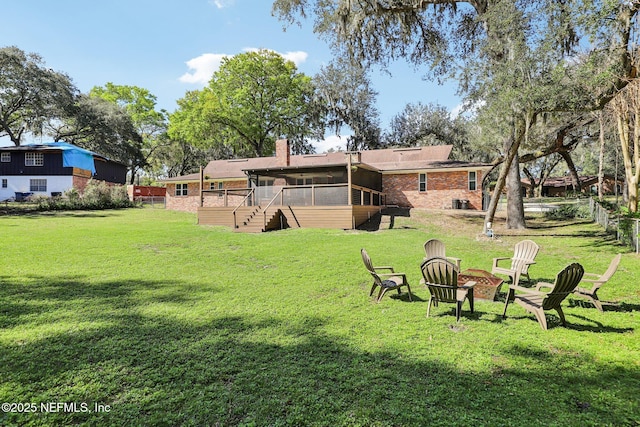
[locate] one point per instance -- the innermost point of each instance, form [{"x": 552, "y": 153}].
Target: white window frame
[
  {"x": 182, "y": 189},
  {"x": 38, "y": 185},
  {"x": 33, "y": 159},
  {"x": 473, "y": 182},
  {"x": 5, "y": 157},
  {"x": 422, "y": 182},
  {"x": 5, "y": 183}
]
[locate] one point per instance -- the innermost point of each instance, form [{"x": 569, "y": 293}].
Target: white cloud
[
  {"x": 205, "y": 65},
  {"x": 466, "y": 110},
  {"x": 334, "y": 141},
  {"x": 457, "y": 110},
  {"x": 221, "y": 4},
  {"x": 297, "y": 57},
  {"x": 203, "y": 68}
]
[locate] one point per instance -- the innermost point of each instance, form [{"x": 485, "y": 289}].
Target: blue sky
[{"x": 170, "y": 47}]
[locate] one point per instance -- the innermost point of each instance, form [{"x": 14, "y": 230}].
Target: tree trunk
[
  {"x": 511, "y": 145},
  {"x": 532, "y": 182},
  {"x": 515, "y": 207},
  {"x": 601, "y": 158},
  {"x": 575, "y": 179},
  {"x": 546, "y": 172},
  {"x": 630, "y": 145}
]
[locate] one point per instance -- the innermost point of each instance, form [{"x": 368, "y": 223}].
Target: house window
[
  {"x": 5, "y": 183},
  {"x": 217, "y": 186},
  {"x": 472, "y": 181},
  {"x": 39, "y": 185},
  {"x": 181, "y": 189},
  {"x": 422, "y": 182},
  {"x": 5, "y": 157},
  {"x": 33, "y": 159}
]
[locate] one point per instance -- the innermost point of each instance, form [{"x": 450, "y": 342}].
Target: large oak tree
[
  {"x": 252, "y": 100},
  {"x": 30, "y": 94},
  {"x": 514, "y": 58},
  {"x": 345, "y": 98}
]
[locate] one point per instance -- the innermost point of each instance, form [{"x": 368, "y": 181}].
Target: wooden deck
[{"x": 252, "y": 218}]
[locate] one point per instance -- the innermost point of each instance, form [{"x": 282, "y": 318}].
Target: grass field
[{"x": 142, "y": 317}]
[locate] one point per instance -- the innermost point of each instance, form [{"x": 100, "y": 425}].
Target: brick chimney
[{"x": 283, "y": 152}]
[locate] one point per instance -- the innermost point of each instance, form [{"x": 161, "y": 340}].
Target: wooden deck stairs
[{"x": 253, "y": 222}]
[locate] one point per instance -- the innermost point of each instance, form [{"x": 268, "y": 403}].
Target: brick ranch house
[
  {"x": 331, "y": 190},
  {"x": 50, "y": 169},
  {"x": 561, "y": 186}
]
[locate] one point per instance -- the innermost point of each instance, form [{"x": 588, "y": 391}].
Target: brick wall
[
  {"x": 400, "y": 190},
  {"x": 191, "y": 203},
  {"x": 283, "y": 152},
  {"x": 442, "y": 188},
  {"x": 80, "y": 183}
]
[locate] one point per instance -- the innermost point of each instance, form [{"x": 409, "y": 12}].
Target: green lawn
[{"x": 164, "y": 322}]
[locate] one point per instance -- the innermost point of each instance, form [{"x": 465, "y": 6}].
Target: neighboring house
[
  {"x": 560, "y": 186},
  {"x": 332, "y": 190},
  {"x": 50, "y": 169}
]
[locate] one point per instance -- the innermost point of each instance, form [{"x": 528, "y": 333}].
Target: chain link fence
[{"x": 627, "y": 230}]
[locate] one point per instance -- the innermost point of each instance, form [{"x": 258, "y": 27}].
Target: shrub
[
  {"x": 97, "y": 195},
  {"x": 564, "y": 212}
]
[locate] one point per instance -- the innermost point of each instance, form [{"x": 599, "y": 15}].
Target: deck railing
[
  {"x": 301, "y": 195},
  {"x": 234, "y": 193},
  {"x": 245, "y": 202},
  {"x": 320, "y": 195},
  {"x": 298, "y": 195}
]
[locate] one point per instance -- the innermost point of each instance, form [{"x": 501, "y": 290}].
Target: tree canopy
[
  {"x": 149, "y": 124},
  {"x": 345, "y": 97},
  {"x": 431, "y": 124},
  {"x": 254, "y": 99},
  {"x": 513, "y": 59},
  {"x": 101, "y": 126},
  {"x": 30, "y": 94}
]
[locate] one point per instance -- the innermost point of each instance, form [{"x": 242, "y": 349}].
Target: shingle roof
[
  {"x": 564, "y": 181},
  {"x": 385, "y": 160}
]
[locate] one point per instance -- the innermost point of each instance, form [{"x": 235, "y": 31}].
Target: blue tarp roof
[{"x": 73, "y": 156}]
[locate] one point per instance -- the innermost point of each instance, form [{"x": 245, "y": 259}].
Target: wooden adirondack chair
[
  {"x": 435, "y": 248},
  {"x": 441, "y": 277},
  {"x": 597, "y": 281},
  {"x": 386, "y": 281},
  {"x": 524, "y": 255},
  {"x": 537, "y": 301}
]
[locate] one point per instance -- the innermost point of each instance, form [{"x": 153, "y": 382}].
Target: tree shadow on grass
[
  {"x": 37, "y": 214},
  {"x": 31, "y": 295},
  {"x": 210, "y": 369},
  {"x": 606, "y": 305}
]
